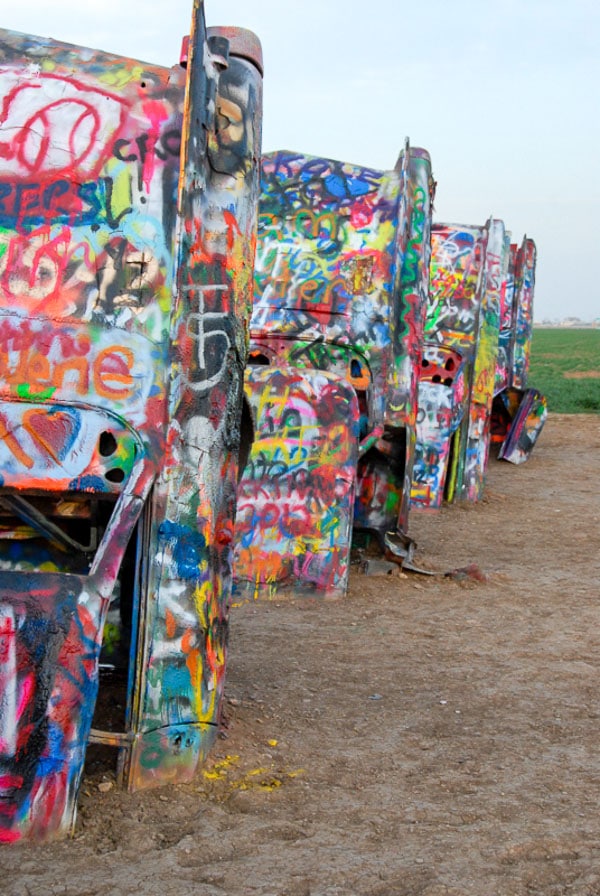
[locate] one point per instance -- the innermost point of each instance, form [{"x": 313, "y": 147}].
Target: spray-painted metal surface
[
  {"x": 519, "y": 417},
  {"x": 442, "y": 401},
  {"x": 297, "y": 490},
  {"x": 127, "y": 221},
  {"x": 523, "y": 312},
  {"x": 467, "y": 278},
  {"x": 504, "y": 358},
  {"x": 519, "y": 412},
  {"x": 341, "y": 285},
  {"x": 385, "y": 470},
  {"x": 471, "y": 470}
]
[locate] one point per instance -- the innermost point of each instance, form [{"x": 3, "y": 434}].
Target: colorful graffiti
[
  {"x": 128, "y": 199},
  {"x": 519, "y": 417},
  {"x": 296, "y": 497},
  {"x": 340, "y": 287},
  {"x": 507, "y": 329},
  {"x": 467, "y": 280},
  {"x": 523, "y": 312},
  {"x": 470, "y": 476},
  {"x": 518, "y": 413},
  {"x": 442, "y": 396},
  {"x": 478, "y": 334}
]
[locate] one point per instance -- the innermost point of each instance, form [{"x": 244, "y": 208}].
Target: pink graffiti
[
  {"x": 157, "y": 114},
  {"x": 43, "y": 271}
]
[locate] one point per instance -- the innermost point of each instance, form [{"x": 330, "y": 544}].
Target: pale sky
[{"x": 505, "y": 96}]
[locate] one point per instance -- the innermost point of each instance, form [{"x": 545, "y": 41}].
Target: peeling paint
[{"x": 127, "y": 230}]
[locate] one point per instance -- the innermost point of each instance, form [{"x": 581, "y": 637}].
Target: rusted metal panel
[{"x": 125, "y": 275}]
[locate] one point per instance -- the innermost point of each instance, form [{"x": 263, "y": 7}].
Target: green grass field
[{"x": 565, "y": 367}]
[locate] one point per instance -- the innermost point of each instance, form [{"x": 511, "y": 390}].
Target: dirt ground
[{"x": 424, "y": 736}]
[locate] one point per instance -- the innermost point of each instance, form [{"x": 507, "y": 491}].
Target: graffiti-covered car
[
  {"x": 456, "y": 390},
  {"x": 127, "y": 228},
  {"x": 519, "y": 411},
  {"x": 340, "y": 293}
]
